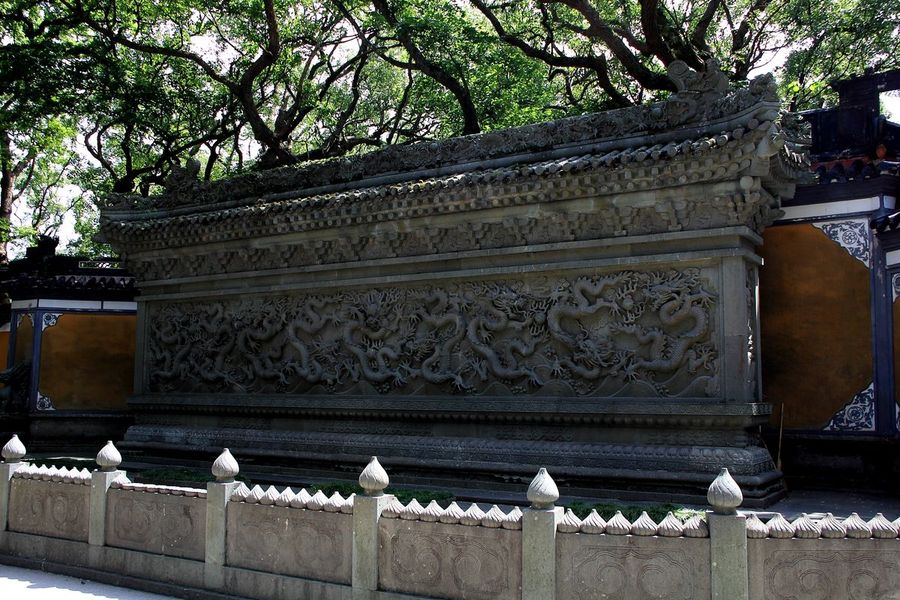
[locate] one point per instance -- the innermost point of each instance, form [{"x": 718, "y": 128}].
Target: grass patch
[
  {"x": 162, "y": 475},
  {"x": 657, "y": 512}
]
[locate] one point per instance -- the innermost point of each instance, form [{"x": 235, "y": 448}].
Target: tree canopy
[{"x": 110, "y": 95}]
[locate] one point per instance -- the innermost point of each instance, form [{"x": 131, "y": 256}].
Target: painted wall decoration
[
  {"x": 852, "y": 235},
  {"x": 856, "y": 415}
]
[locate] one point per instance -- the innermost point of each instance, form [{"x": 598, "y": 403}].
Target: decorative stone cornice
[
  {"x": 45, "y": 473},
  {"x": 829, "y": 527},
  {"x": 570, "y": 523},
  {"x": 725, "y": 156},
  {"x": 700, "y": 135}
]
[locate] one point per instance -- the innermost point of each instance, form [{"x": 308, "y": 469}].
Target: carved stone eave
[
  {"x": 619, "y": 178},
  {"x": 644, "y": 191},
  {"x": 688, "y": 113}
]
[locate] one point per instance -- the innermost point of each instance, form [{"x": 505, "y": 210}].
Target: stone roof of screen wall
[{"x": 701, "y": 133}]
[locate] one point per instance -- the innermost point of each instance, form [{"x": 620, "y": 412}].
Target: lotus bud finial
[
  {"x": 225, "y": 467},
  {"x": 14, "y": 450},
  {"x": 542, "y": 492},
  {"x": 724, "y": 494},
  {"x": 109, "y": 458},
  {"x": 373, "y": 478}
]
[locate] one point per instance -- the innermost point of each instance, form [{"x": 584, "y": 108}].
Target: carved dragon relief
[{"x": 630, "y": 333}]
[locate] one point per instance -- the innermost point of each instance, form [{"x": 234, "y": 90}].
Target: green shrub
[{"x": 608, "y": 510}]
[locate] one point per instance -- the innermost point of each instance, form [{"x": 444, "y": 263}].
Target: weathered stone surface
[
  {"x": 301, "y": 543},
  {"x": 49, "y": 508},
  {"x": 595, "y": 567},
  {"x": 162, "y": 524},
  {"x": 366, "y": 544},
  {"x": 450, "y": 561},
  {"x": 728, "y": 550},
  {"x": 836, "y": 569}
]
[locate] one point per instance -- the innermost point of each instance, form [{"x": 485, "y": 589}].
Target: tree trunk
[{"x": 7, "y": 192}]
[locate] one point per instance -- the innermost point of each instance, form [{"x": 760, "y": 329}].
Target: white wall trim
[{"x": 836, "y": 209}]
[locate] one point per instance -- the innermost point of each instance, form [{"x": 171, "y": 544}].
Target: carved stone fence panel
[
  {"x": 832, "y": 569},
  {"x": 289, "y": 541},
  {"x": 450, "y": 561},
  {"x": 50, "y": 508},
  {"x": 158, "y": 523},
  {"x": 609, "y": 567}
]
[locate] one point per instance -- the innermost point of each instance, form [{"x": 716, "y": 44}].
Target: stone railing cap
[
  {"x": 373, "y": 479},
  {"x": 225, "y": 467},
  {"x": 109, "y": 458},
  {"x": 542, "y": 492},
  {"x": 14, "y": 450},
  {"x": 724, "y": 494}
]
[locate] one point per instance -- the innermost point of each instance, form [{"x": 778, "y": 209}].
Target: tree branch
[{"x": 432, "y": 69}]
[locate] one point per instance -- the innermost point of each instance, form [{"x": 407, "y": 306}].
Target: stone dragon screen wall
[{"x": 594, "y": 278}]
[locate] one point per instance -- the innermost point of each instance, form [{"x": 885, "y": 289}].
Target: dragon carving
[{"x": 625, "y": 333}]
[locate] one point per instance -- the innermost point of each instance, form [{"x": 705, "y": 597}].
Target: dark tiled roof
[
  {"x": 65, "y": 278},
  {"x": 854, "y": 169}
]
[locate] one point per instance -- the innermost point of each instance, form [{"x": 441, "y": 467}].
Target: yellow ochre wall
[
  {"x": 87, "y": 361},
  {"x": 4, "y": 348},
  {"x": 815, "y": 319}
]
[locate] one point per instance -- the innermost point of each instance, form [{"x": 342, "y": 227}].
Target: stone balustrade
[{"x": 270, "y": 542}]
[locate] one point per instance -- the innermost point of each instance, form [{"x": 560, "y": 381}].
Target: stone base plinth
[{"x": 648, "y": 449}]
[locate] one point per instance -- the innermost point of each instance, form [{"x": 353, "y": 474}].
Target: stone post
[
  {"x": 539, "y": 539},
  {"x": 366, "y": 514},
  {"x": 729, "y": 577},
  {"x": 107, "y": 459},
  {"x": 218, "y": 493},
  {"x": 738, "y": 371},
  {"x": 12, "y": 454}
]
